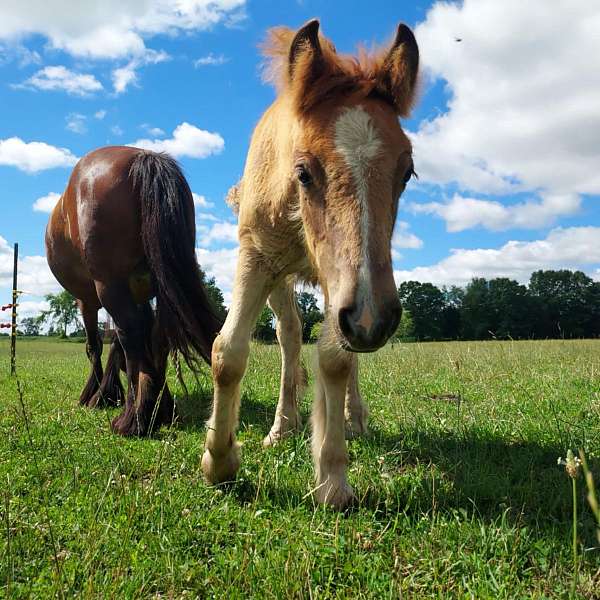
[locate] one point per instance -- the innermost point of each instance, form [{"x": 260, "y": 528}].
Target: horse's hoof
[
  {"x": 335, "y": 492},
  {"x": 218, "y": 468},
  {"x": 283, "y": 429},
  {"x": 128, "y": 425},
  {"x": 355, "y": 428}
]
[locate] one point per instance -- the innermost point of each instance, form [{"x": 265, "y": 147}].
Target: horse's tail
[{"x": 183, "y": 309}]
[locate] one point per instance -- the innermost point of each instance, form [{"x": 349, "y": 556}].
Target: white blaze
[{"x": 357, "y": 141}]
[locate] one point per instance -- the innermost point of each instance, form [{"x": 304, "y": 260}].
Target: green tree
[
  {"x": 315, "y": 332},
  {"x": 512, "y": 312},
  {"x": 214, "y": 294},
  {"x": 264, "y": 330},
  {"x": 475, "y": 310},
  {"x": 406, "y": 328},
  {"x": 31, "y": 326},
  {"x": 568, "y": 303},
  {"x": 62, "y": 311},
  {"x": 425, "y": 303},
  {"x": 310, "y": 314}
]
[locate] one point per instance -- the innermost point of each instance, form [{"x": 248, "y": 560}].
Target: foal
[{"x": 318, "y": 199}]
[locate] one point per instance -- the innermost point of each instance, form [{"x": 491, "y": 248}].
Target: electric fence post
[{"x": 13, "y": 331}]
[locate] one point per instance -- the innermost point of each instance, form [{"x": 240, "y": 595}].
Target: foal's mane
[{"x": 338, "y": 73}]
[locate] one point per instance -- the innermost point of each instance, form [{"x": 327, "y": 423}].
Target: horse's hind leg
[
  {"x": 282, "y": 301},
  {"x": 110, "y": 392},
  {"x": 160, "y": 352},
  {"x": 356, "y": 411},
  {"x": 134, "y": 325},
  {"x": 93, "y": 348}
]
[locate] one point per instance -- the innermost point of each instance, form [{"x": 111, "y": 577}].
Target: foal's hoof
[
  {"x": 282, "y": 429},
  {"x": 218, "y": 468},
  {"x": 335, "y": 492},
  {"x": 355, "y": 428}
]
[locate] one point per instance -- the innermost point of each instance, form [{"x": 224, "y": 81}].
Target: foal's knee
[{"x": 229, "y": 358}]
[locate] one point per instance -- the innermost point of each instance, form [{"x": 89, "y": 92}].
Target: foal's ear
[
  {"x": 305, "y": 60},
  {"x": 397, "y": 77}
]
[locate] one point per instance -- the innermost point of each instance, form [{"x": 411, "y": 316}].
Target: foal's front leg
[
  {"x": 221, "y": 458},
  {"x": 328, "y": 440}
]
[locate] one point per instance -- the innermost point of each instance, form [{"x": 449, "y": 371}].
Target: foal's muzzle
[{"x": 366, "y": 329}]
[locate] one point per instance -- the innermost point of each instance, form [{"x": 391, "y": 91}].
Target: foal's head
[{"x": 349, "y": 162}]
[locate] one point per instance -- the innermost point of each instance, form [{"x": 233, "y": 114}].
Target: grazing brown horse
[
  {"x": 318, "y": 200},
  {"x": 122, "y": 233}
]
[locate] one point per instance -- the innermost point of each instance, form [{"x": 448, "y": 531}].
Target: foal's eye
[
  {"x": 304, "y": 177},
  {"x": 409, "y": 173}
]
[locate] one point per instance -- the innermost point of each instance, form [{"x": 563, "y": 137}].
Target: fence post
[{"x": 13, "y": 331}]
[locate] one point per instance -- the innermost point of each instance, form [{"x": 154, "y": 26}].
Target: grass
[{"x": 460, "y": 492}]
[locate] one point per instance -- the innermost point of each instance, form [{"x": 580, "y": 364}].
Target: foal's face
[{"x": 351, "y": 162}]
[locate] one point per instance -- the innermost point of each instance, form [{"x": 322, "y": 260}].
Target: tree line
[{"x": 555, "y": 304}]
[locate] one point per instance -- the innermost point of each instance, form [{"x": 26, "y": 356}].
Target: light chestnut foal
[{"x": 318, "y": 201}]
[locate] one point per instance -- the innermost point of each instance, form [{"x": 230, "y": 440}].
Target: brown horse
[
  {"x": 122, "y": 233},
  {"x": 318, "y": 199}
]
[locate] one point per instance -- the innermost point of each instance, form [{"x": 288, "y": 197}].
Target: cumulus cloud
[
  {"x": 100, "y": 114},
  {"x": 112, "y": 28},
  {"x": 126, "y": 75},
  {"x": 462, "y": 213},
  {"x": 46, "y": 203},
  {"x": 76, "y": 123},
  {"x": 153, "y": 131},
  {"x": 34, "y": 156},
  {"x": 404, "y": 238},
  {"x": 35, "y": 277},
  {"x": 221, "y": 231},
  {"x": 60, "y": 78},
  {"x": 523, "y": 98},
  {"x": 219, "y": 264},
  {"x": 201, "y": 201},
  {"x": 188, "y": 140},
  {"x": 210, "y": 60},
  {"x": 563, "y": 248}
]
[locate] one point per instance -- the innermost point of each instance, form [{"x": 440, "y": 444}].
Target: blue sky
[{"x": 505, "y": 134}]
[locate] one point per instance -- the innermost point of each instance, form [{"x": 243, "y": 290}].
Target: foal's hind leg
[
  {"x": 356, "y": 411},
  {"x": 111, "y": 391},
  {"x": 289, "y": 333},
  {"x": 134, "y": 328},
  {"x": 93, "y": 348}
]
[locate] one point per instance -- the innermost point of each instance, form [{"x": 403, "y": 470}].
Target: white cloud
[
  {"x": 524, "y": 96},
  {"x": 188, "y": 140},
  {"x": 221, "y": 231},
  {"x": 219, "y": 264},
  {"x": 76, "y": 123},
  {"x": 210, "y": 60},
  {"x": 569, "y": 248},
  {"x": 126, "y": 75},
  {"x": 60, "y": 78},
  {"x": 111, "y": 28},
  {"x": 46, "y": 203},
  {"x": 201, "y": 201},
  {"x": 153, "y": 131},
  {"x": 462, "y": 213},
  {"x": 100, "y": 114},
  {"x": 116, "y": 130},
  {"x": 34, "y": 156},
  {"x": 203, "y": 216},
  {"x": 403, "y": 238},
  {"x": 35, "y": 277}
]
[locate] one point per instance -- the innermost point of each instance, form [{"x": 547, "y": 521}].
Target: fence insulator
[
  {"x": 7, "y": 306},
  {"x": 5, "y": 325}
]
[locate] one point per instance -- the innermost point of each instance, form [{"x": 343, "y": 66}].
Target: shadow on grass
[{"x": 194, "y": 409}]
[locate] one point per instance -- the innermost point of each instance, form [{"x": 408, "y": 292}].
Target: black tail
[{"x": 183, "y": 309}]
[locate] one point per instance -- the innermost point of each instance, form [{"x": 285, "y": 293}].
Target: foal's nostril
[{"x": 345, "y": 320}]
